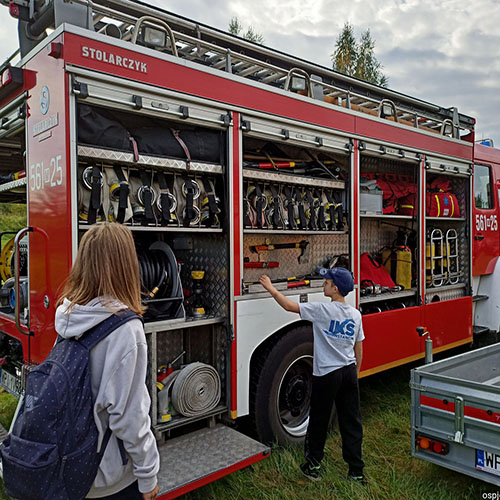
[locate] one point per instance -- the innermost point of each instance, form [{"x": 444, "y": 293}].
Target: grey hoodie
[{"x": 118, "y": 367}]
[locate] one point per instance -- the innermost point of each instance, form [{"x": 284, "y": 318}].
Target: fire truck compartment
[
  {"x": 456, "y": 404},
  {"x": 195, "y": 459}
]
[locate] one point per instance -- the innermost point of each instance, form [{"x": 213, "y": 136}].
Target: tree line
[{"x": 350, "y": 56}]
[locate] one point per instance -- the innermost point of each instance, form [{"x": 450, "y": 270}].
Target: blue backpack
[{"x": 51, "y": 453}]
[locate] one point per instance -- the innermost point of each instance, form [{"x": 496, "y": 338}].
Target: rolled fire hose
[{"x": 196, "y": 390}]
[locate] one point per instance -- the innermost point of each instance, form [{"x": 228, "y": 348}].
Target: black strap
[
  {"x": 246, "y": 208},
  {"x": 276, "y": 207},
  {"x": 212, "y": 202},
  {"x": 321, "y": 212},
  {"x": 147, "y": 197},
  {"x": 259, "y": 205},
  {"x": 312, "y": 210},
  {"x": 123, "y": 192},
  {"x": 289, "y": 207},
  {"x": 95, "y": 194},
  {"x": 302, "y": 212},
  {"x": 189, "y": 192},
  {"x": 339, "y": 209},
  {"x": 166, "y": 202},
  {"x": 331, "y": 210}
]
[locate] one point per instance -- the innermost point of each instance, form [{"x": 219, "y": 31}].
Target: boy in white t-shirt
[{"x": 338, "y": 350}]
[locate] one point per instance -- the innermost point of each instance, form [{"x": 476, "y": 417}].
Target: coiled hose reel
[
  {"x": 160, "y": 282},
  {"x": 194, "y": 390}
]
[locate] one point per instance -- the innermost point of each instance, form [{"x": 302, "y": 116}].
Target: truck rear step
[{"x": 198, "y": 458}]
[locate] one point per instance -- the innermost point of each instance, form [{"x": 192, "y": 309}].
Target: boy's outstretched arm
[{"x": 284, "y": 302}]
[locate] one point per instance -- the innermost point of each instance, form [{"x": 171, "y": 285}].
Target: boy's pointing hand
[{"x": 265, "y": 281}]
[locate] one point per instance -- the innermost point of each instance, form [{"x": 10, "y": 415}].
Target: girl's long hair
[{"x": 106, "y": 266}]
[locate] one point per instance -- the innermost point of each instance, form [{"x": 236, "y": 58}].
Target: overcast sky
[{"x": 443, "y": 51}]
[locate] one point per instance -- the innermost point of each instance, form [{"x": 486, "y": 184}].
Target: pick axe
[{"x": 303, "y": 245}]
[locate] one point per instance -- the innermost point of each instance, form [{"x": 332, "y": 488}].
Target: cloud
[{"x": 442, "y": 51}]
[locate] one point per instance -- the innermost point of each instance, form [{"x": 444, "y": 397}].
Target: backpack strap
[
  {"x": 89, "y": 340},
  {"x": 100, "y": 331}
]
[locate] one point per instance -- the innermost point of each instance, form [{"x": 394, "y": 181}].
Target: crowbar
[{"x": 303, "y": 245}]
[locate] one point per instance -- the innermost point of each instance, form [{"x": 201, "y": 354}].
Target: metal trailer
[{"x": 455, "y": 413}]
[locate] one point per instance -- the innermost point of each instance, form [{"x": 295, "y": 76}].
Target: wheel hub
[{"x": 295, "y": 394}]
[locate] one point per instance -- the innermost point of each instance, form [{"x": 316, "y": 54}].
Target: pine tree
[
  {"x": 236, "y": 28},
  {"x": 357, "y": 59},
  {"x": 345, "y": 55}
]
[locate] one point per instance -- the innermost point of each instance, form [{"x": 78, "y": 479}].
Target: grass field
[{"x": 392, "y": 473}]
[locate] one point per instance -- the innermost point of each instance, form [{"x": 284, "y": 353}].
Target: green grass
[
  {"x": 391, "y": 471},
  {"x": 12, "y": 217}
]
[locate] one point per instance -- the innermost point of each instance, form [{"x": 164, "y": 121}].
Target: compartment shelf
[
  {"x": 388, "y": 296},
  {"x": 9, "y": 186},
  {"x": 292, "y": 179},
  {"x": 447, "y": 219},
  {"x": 299, "y": 290},
  {"x": 85, "y": 227},
  {"x": 387, "y": 216},
  {"x": 180, "y": 323},
  {"x": 290, "y": 231},
  {"x": 178, "y": 420},
  {"x": 444, "y": 288},
  {"x": 111, "y": 156}
]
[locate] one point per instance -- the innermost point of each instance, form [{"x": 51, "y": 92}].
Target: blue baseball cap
[{"x": 340, "y": 276}]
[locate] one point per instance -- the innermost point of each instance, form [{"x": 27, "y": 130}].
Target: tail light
[{"x": 432, "y": 445}]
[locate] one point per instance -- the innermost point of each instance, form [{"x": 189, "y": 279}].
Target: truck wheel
[{"x": 281, "y": 388}]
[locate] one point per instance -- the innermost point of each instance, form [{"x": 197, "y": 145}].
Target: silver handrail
[{"x": 17, "y": 287}]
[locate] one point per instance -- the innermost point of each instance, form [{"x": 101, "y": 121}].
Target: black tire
[{"x": 281, "y": 388}]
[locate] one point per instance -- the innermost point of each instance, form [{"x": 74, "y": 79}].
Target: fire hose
[
  {"x": 196, "y": 389},
  {"x": 160, "y": 283}
]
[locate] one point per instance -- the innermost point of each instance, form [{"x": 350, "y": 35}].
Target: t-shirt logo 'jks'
[{"x": 341, "y": 330}]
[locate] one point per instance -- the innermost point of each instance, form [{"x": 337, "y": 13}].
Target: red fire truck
[{"x": 228, "y": 159}]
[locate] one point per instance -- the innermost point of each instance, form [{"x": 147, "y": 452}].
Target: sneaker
[
  {"x": 311, "y": 472},
  {"x": 358, "y": 479}
]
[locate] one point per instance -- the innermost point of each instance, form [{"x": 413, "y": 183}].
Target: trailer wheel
[{"x": 281, "y": 388}]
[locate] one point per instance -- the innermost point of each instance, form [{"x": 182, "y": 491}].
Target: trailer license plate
[
  {"x": 488, "y": 462},
  {"x": 10, "y": 382}
]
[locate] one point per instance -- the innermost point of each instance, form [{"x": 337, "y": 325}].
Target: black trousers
[
  {"x": 129, "y": 493},
  {"x": 339, "y": 387}
]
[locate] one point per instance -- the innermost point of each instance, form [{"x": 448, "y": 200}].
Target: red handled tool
[{"x": 261, "y": 265}]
